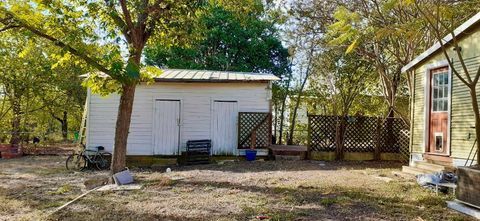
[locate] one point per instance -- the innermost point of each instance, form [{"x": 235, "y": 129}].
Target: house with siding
[
  {"x": 182, "y": 105},
  {"x": 442, "y": 121}
]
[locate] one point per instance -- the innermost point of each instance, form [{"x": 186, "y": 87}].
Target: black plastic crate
[{"x": 198, "y": 152}]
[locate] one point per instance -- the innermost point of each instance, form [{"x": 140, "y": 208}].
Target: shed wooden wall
[
  {"x": 196, "y": 100},
  {"x": 461, "y": 118}
]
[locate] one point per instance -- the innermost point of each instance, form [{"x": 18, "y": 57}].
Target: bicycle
[{"x": 89, "y": 159}]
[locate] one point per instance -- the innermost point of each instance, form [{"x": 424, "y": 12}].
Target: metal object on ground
[{"x": 123, "y": 177}]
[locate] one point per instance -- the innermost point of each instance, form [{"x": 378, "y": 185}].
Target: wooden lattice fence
[
  {"x": 254, "y": 128},
  {"x": 360, "y": 134},
  {"x": 404, "y": 147},
  {"x": 321, "y": 132}
]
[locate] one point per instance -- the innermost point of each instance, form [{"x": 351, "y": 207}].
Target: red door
[{"x": 439, "y": 97}]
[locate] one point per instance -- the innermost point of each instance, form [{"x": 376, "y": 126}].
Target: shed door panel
[
  {"x": 224, "y": 128},
  {"x": 439, "y": 96},
  {"x": 167, "y": 129}
]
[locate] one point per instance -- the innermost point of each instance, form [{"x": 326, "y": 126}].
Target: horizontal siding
[
  {"x": 418, "y": 126},
  {"x": 462, "y": 116},
  {"x": 462, "y": 135},
  {"x": 196, "y": 99}
]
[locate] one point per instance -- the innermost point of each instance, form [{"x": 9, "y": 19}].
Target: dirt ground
[{"x": 32, "y": 187}]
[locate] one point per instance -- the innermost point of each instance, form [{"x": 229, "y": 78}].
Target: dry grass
[{"x": 34, "y": 186}]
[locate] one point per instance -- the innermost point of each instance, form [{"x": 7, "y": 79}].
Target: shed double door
[
  {"x": 224, "y": 127},
  {"x": 166, "y": 131}
]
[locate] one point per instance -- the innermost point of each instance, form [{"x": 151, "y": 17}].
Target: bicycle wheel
[
  {"x": 102, "y": 161},
  {"x": 75, "y": 162}
]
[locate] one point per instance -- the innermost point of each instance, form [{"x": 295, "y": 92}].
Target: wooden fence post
[
  {"x": 378, "y": 135},
  {"x": 339, "y": 137},
  {"x": 253, "y": 142},
  {"x": 309, "y": 137}
]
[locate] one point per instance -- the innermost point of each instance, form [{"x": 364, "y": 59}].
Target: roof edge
[
  {"x": 434, "y": 48},
  {"x": 272, "y": 77}
]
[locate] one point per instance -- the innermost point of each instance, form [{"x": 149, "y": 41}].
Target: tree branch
[
  {"x": 59, "y": 43},
  {"x": 118, "y": 20},
  {"x": 126, "y": 14},
  {"x": 154, "y": 11},
  {"x": 439, "y": 38},
  {"x": 56, "y": 118},
  {"x": 9, "y": 27}
]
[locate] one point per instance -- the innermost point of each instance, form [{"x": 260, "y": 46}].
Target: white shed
[{"x": 182, "y": 105}]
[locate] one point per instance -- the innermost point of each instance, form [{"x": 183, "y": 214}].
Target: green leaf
[
  {"x": 352, "y": 46},
  {"x": 133, "y": 70}
]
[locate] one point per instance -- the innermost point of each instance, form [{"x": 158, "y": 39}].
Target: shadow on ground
[{"x": 268, "y": 166}]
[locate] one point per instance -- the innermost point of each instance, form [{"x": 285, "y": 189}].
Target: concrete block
[{"x": 463, "y": 208}]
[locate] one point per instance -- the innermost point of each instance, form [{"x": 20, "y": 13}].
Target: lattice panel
[
  {"x": 390, "y": 135},
  {"x": 404, "y": 142},
  {"x": 247, "y": 122},
  {"x": 322, "y": 132},
  {"x": 360, "y": 134}
]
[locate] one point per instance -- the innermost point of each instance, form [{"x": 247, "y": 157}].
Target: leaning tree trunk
[
  {"x": 295, "y": 110},
  {"x": 119, "y": 156},
  {"x": 122, "y": 128}
]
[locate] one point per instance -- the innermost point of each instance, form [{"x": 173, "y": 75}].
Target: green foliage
[
  {"x": 341, "y": 80},
  {"x": 43, "y": 81},
  {"x": 345, "y": 29},
  {"x": 93, "y": 31},
  {"x": 230, "y": 41}
]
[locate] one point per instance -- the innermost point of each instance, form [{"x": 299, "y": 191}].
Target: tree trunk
[
  {"x": 294, "y": 119},
  {"x": 275, "y": 121},
  {"x": 64, "y": 123},
  {"x": 282, "y": 113},
  {"x": 340, "y": 138},
  {"x": 122, "y": 128},
  {"x": 119, "y": 156},
  {"x": 390, "y": 127},
  {"x": 295, "y": 109},
  {"x": 473, "y": 95},
  {"x": 65, "y": 126},
  {"x": 15, "y": 138}
]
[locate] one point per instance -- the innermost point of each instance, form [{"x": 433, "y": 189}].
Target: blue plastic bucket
[{"x": 251, "y": 155}]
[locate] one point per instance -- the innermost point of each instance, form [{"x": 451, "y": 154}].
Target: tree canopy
[
  {"x": 228, "y": 41},
  {"x": 107, "y": 35}
]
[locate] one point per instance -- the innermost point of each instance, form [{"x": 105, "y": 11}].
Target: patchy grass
[
  {"x": 66, "y": 188},
  {"x": 32, "y": 187}
]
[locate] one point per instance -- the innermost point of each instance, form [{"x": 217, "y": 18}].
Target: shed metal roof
[
  {"x": 184, "y": 75},
  {"x": 475, "y": 20},
  {"x": 212, "y": 76}
]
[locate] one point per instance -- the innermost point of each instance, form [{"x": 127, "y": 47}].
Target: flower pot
[
  {"x": 468, "y": 185},
  {"x": 250, "y": 155}
]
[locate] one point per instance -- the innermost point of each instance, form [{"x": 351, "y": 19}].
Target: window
[{"x": 440, "y": 91}]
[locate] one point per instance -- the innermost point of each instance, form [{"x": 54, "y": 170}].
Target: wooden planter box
[{"x": 468, "y": 186}]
